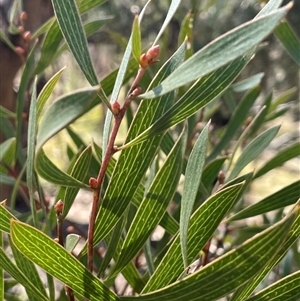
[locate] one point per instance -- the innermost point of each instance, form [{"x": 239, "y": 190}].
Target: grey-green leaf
[
  {"x": 193, "y": 173},
  {"x": 220, "y": 52},
  {"x": 69, "y": 21},
  {"x": 64, "y": 111},
  {"x": 253, "y": 149}
]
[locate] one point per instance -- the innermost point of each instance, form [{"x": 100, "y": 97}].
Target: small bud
[
  {"x": 20, "y": 51},
  {"x": 23, "y": 16},
  {"x": 152, "y": 54},
  {"x": 93, "y": 183},
  {"x": 70, "y": 229},
  {"x": 136, "y": 92},
  {"x": 221, "y": 177},
  {"x": 115, "y": 108},
  {"x": 59, "y": 207},
  {"x": 21, "y": 29},
  {"x": 27, "y": 36},
  {"x": 248, "y": 121},
  {"x": 144, "y": 61}
]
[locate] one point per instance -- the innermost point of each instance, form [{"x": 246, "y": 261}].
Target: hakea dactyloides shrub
[{"x": 173, "y": 169}]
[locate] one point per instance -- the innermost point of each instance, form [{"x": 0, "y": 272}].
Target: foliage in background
[{"x": 174, "y": 169}]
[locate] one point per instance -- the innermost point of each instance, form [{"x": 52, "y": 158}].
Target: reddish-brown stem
[
  {"x": 107, "y": 157},
  {"x": 206, "y": 253}
]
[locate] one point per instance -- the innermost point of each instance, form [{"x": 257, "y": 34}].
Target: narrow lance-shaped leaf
[
  {"x": 136, "y": 39},
  {"x": 5, "y": 113},
  {"x": 246, "y": 290},
  {"x": 5, "y": 217},
  {"x": 289, "y": 40},
  {"x": 286, "y": 289},
  {"x": 192, "y": 181},
  {"x": 279, "y": 159},
  {"x": 7, "y": 154},
  {"x": 248, "y": 83},
  {"x": 284, "y": 197},
  {"x": 12, "y": 270},
  {"x": 47, "y": 90},
  {"x": 58, "y": 262},
  {"x": 153, "y": 205},
  {"x": 253, "y": 149},
  {"x": 25, "y": 80},
  {"x": 64, "y": 111},
  {"x": 47, "y": 170},
  {"x": 221, "y": 51},
  {"x": 172, "y": 10},
  {"x": 220, "y": 277},
  {"x": 68, "y": 18},
  {"x": 28, "y": 268},
  {"x": 236, "y": 120},
  {"x": 202, "y": 225},
  {"x": 30, "y": 172}
]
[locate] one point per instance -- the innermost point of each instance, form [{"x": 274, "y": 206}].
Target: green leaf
[
  {"x": 193, "y": 173},
  {"x": 154, "y": 205},
  {"x": 58, "y": 262},
  {"x": 284, "y": 197},
  {"x": 289, "y": 40},
  {"x": 47, "y": 90},
  {"x": 279, "y": 159},
  {"x": 86, "y": 5},
  {"x": 71, "y": 241},
  {"x": 69, "y": 21},
  {"x": 133, "y": 162},
  {"x": 186, "y": 32},
  {"x": 51, "y": 42},
  {"x": 136, "y": 39},
  {"x": 79, "y": 172},
  {"x": 282, "y": 98},
  {"x": 21, "y": 96},
  {"x": 253, "y": 149},
  {"x": 5, "y": 113},
  {"x": 223, "y": 275},
  {"x": 236, "y": 120},
  {"x": 28, "y": 268},
  {"x": 47, "y": 170},
  {"x": 30, "y": 172},
  {"x": 12, "y": 270},
  {"x": 5, "y": 217},
  {"x": 6, "y": 40},
  {"x": 172, "y": 9},
  {"x": 52, "y": 46},
  {"x": 220, "y": 52},
  {"x": 202, "y": 225},
  {"x": 286, "y": 289},
  {"x": 244, "y": 291},
  {"x": 7, "y": 154},
  {"x": 248, "y": 83},
  {"x": 112, "y": 246},
  {"x": 64, "y": 111}
]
